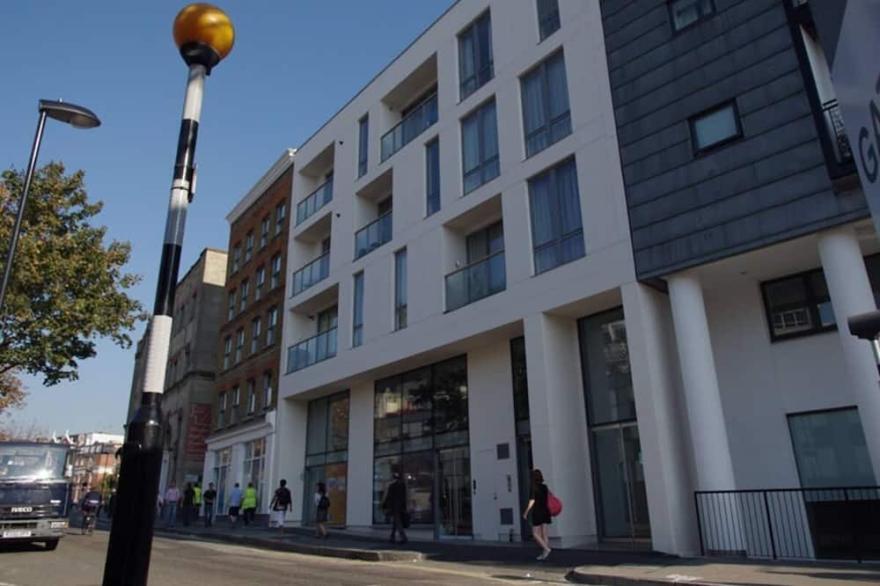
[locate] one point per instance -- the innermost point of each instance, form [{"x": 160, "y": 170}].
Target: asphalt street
[{"x": 79, "y": 561}]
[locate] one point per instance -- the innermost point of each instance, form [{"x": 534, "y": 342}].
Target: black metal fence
[{"x": 795, "y": 524}]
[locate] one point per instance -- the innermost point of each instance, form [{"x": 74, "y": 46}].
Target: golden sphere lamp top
[{"x": 204, "y": 34}]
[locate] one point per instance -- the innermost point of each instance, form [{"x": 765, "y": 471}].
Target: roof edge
[{"x": 269, "y": 177}]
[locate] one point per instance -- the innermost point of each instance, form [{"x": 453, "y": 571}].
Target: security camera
[{"x": 865, "y": 326}]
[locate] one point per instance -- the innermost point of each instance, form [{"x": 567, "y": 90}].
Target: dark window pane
[
  {"x": 520, "y": 378},
  {"x": 388, "y": 410},
  {"x": 715, "y": 127},
  {"x": 450, "y": 396},
  {"x": 548, "y": 17},
  {"x": 416, "y": 397},
  {"x": 338, "y": 423},
  {"x": 432, "y": 157},
  {"x": 830, "y": 449},
  {"x": 557, "y": 235},
  {"x": 605, "y": 360},
  {"x": 383, "y": 468},
  {"x": 687, "y": 12},
  {"x": 317, "y": 427}
]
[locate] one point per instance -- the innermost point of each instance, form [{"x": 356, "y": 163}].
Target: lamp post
[
  {"x": 204, "y": 35},
  {"x": 76, "y": 116}
]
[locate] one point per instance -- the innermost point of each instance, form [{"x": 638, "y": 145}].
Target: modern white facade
[{"x": 637, "y": 395}]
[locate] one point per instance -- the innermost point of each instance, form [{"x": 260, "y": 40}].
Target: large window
[
  {"x": 255, "y": 465},
  {"x": 327, "y": 454},
  {"x": 479, "y": 145},
  {"x": 432, "y": 177},
  {"x": 363, "y": 144},
  {"x": 261, "y": 281},
  {"x": 249, "y": 247},
  {"x": 688, "y": 12},
  {"x": 715, "y": 128},
  {"x": 357, "y": 323},
  {"x": 798, "y": 305},
  {"x": 243, "y": 295},
  {"x": 276, "y": 271},
  {"x": 475, "y": 66},
  {"x": 227, "y": 352},
  {"x": 236, "y": 258},
  {"x": 555, "y": 208},
  {"x": 256, "y": 332},
  {"x": 239, "y": 345},
  {"x": 546, "y": 116},
  {"x": 280, "y": 215},
  {"x": 271, "y": 324},
  {"x": 830, "y": 449},
  {"x": 230, "y": 313},
  {"x": 400, "y": 289},
  {"x": 267, "y": 390},
  {"x": 251, "y": 397},
  {"x": 548, "y": 17},
  {"x": 221, "y": 410},
  {"x": 264, "y": 232}
]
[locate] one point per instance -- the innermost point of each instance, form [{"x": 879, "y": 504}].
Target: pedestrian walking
[
  {"x": 394, "y": 505},
  {"x": 189, "y": 495},
  {"x": 540, "y": 511},
  {"x": 197, "y": 500},
  {"x": 235, "y": 497},
  {"x": 209, "y": 496},
  {"x": 281, "y": 503},
  {"x": 172, "y": 497},
  {"x": 249, "y": 503},
  {"x": 322, "y": 509},
  {"x": 111, "y": 506}
]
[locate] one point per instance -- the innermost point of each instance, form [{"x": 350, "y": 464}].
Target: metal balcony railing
[
  {"x": 314, "y": 202},
  {"x": 843, "y": 153},
  {"x": 476, "y": 281},
  {"x": 416, "y": 122},
  {"x": 311, "y": 351},
  {"x": 310, "y": 274},
  {"x": 372, "y": 236}
]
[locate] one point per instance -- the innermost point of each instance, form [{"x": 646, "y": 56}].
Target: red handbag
[{"x": 554, "y": 505}]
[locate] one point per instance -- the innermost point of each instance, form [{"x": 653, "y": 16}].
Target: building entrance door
[
  {"x": 620, "y": 480},
  {"x": 453, "y": 474}
]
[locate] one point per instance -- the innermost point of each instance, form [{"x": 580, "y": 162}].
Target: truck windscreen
[{"x": 19, "y": 462}]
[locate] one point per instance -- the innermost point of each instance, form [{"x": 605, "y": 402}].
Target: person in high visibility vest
[
  {"x": 197, "y": 500},
  {"x": 249, "y": 503}
]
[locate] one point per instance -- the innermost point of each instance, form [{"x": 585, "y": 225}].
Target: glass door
[
  {"x": 454, "y": 484},
  {"x": 620, "y": 483}
]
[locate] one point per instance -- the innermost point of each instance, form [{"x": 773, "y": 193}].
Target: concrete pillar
[
  {"x": 665, "y": 452},
  {"x": 714, "y": 466},
  {"x": 291, "y": 418},
  {"x": 359, "y": 484},
  {"x": 851, "y": 294},
  {"x": 558, "y": 417}
]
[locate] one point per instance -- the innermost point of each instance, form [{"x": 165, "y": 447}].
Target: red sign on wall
[{"x": 197, "y": 430}]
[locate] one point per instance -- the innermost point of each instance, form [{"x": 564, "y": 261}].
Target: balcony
[
  {"x": 840, "y": 145},
  {"x": 311, "y": 351},
  {"x": 314, "y": 202},
  {"x": 372, "y": 236},
  {"x": 312, "y": 273},
  {"x": 476, "y": 281},
  {"x": 421, "y": 118}
]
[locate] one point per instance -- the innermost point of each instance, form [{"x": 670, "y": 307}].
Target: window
[
  {"x": 830, "y": 449},
  {"x": 236, "y": 258},
  {"x": 254, "y": 466},
  {"x": 230, "y": 314},
  {"x": 236, "y": 402},
  {"x": 264, "y": 232},
  {"x": 357, "y": 329},
  {"x": 261, "y": 280},
  {"x": 363, "y": 144},
  {"x": 688, "y": 12},
  {"x": 327, "y": 451},
  {"x": 252, "y": 397},
  {"x": 548, "y": 17},
  {"x": 243, "y": 295},
  {"x": 256, "y": 331},
  {"x": 555, "y": 208},
  {"x": 271, "y": 323},
  {"x": 432, "y": 177},
  {"x": 400, "y": 289},
  {"x": 546, "y": 115},
  {"x": 227, "y": 351},
  {"x": 267, "y": 390},
  {"x": 798, "y": 305},
  {"x": 327, "y": 319},
  {"x": 276, "y": 271},
  {"x": 239, "y": 345},
  {"x": 249, "y": 247},
  {"x": 479, "y": 145},
  {"x": 221, "y": 410},
  {"x": 715, "y": 127},
  {"x": 280, "y": 215},
  {"x": 475, "y": 65}
]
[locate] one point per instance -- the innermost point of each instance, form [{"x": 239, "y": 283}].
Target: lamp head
[
  {"x": 76, "y": 116},
  {"x": 204, "y": 34}
]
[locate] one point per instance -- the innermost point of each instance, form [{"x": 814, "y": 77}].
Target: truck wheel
[{"x": 51, "y": 544}]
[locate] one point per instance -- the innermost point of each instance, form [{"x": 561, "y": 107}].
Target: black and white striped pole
[{"x": 204, "y": 35}]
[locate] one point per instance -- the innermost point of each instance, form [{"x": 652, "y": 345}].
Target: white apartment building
[{"x": 464, "y": 305}]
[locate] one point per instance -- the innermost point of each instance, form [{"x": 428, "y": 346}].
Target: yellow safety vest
[
  {"x": 250, "y": 498},
  {"x": 197, "y": 498}
]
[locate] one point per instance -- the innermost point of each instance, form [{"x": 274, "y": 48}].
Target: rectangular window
[
  {"x": 256, "y": 332},
  {"x": 363, "y": 144},
  {"x": 400, "y": 289},
  {"x": 715, "y": 128},
  {"x": 264, "y": 232},
  {"x": 249, "y": 247},
  {"x": 479, "y": 146},
  {"x": 830, "y": 449},
  {"x": 798, "y": 305},
  {"x": 230, "y": 314},
  {"x": 221, "y": 410},
  {"x": 236, "y": 258},
  {"x": 236, "y": 402},
  {"x": 546, "y": 115},
  {"x": 475, "y": 63},
  {"x": 261, "y": 280},
  {"x": 271, "y": 324},
  {"x": 432, "y": 177},
  {"x": 276, "y": 271},
  {"x": 280, "y": 215},
  {"x": 555, "y": 209},
  {"x": 252, "y": 397},
  {"x": 357, "y": 329},
  {"x": 227, "y": 352},
  {"x": 243, "y": 295},
  {"x": 267, "y": 390},
  {"x": 548, "y": 17},
  {"x": 239, "y": 345},
  {"x": 687, "y": 12}
]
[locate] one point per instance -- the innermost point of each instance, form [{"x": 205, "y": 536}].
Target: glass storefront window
[
  {"x": 327, "y": 455},
  {"x": 388, "y": 410},
  {"x": 605, "y": 356},
  {"x": 254, "y": 465}
]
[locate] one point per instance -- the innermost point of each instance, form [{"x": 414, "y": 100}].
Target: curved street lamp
[{"x": 76, "y": 116}]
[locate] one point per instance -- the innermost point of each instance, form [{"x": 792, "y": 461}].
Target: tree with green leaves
[{"x": 68, "y": 287}]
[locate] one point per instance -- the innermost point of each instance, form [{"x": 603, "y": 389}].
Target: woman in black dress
[{"x": 540, "y": 513}]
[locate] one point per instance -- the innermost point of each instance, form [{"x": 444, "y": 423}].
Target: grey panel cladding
[{"x": 770, "y": 185}]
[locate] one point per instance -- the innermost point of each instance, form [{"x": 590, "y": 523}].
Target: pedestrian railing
[
  {"x": 314, "y": 202},
  {"x": 791, "y": 524},
  {"x": 311, "y": 351},
  {"x": 312, "y": 273},
  {"x": 417, "y": 121}
]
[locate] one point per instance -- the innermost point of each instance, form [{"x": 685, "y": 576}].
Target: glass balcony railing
[
  {"x": 314, "y": 202},
  {"x": 311, "y": 351},
  {"x": 312, "y": 273},
  {"x": 372, "y": 236},
  {"x": 421, "y": 118},
  {"x": 476, "y": 281}
]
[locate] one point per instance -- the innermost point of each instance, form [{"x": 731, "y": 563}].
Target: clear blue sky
[{"x": 118, "y": 59}]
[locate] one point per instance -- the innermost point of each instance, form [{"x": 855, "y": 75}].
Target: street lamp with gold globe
[{"x": 204, "y": 35}]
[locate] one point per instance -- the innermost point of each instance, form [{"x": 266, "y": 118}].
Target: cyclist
[{"x": 90, "y": 505}]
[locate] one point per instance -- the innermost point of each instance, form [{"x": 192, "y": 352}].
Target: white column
[
  {"x": 653, "y": 364},
  {"x": 359, "y": 485},
  {"x": 714, "y": 465},
  {"x": 851, "y": 294},
  {"x": 291, "y": 419}
]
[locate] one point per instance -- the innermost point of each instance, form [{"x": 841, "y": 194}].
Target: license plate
[{"x": 12, "y": 533}]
